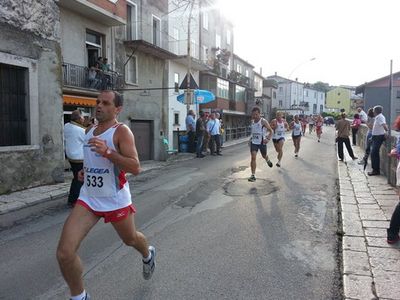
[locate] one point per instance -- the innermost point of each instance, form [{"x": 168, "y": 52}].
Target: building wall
[
  {"x": 36, "y": 48},
  {"x": 117, "y": 8},
  {"x": 314, "y": 97},
  {"x": 73, "y": 37},
  {"x": 338, "y": 98}
]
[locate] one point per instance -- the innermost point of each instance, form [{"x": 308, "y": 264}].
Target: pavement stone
[
  {"x": 358, "y": 287},
  {"x": 375, "y": 224},
  {"x": 372, "y": 214},
  {"x": 387, "y": 284},
  {"x": 356, "y": 262},
  {"x": 375, "y": 232},
  {"x": 354, "y": 243}
]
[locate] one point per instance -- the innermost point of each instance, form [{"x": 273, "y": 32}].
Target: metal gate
[
  {"x": 143, "y": 138},
  {"x": 13, "y": 105}
]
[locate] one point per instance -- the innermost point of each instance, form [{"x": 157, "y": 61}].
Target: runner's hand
[
  {"x": 81, "y": 175},
  {"x": 98, "y": 145}
]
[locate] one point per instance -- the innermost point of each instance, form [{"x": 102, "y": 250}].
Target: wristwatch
[{"x": 107, "y": 153}]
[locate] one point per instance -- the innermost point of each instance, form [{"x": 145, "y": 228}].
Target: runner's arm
[
  {"x": 268, "y": 128},
  {"x": 127, "y": 158}
]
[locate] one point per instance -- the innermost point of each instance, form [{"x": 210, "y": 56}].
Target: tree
[{"x": 321, "y": 86}]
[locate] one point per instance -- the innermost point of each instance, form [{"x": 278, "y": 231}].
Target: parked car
[{"x": 329, "y": 121}]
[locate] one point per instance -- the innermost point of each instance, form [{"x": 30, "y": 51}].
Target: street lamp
[{"x": 300, "y": 64}]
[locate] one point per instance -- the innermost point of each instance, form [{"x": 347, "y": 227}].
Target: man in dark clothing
[
  {"x": 200, "y": 131},
  {"x": 343, "y": 133}
]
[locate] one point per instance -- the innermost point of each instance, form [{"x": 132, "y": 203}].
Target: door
[{"x": 142, "y": 131}]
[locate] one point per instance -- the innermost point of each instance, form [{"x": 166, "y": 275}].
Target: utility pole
[
  {"x": 189, "y": 94},
  {"x": 391, "y": 109}
]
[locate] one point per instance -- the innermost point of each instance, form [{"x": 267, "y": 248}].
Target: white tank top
[
  {"x": 105, "y": 187},
  {"x": 296, "y": 129},
  {"x": 257, "y": 132},
  {"x": 279, "y": 131}
]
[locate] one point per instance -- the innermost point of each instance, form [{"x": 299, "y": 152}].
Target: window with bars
[{"x": 14, "y": 103}]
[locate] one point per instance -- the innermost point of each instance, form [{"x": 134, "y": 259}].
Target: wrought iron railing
[
  {"x": 83, "y": 77},
  {"x": 237, "y": 133}
]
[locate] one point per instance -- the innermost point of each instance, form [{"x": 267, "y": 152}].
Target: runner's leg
[
  {"x": 253, "y": 163},
  {"x": 127, "y": 232},
  {"x": 76, "y": 227}
]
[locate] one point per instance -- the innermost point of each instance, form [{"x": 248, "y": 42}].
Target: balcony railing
[{"x": 83, "y": 77}]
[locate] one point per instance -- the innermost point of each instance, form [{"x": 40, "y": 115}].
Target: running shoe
[
  {"x": 392, "y": 238},
  {"x": 86, "y": 297},
  {"x": 252, "y": 178},
  {"x": 269, "y": 163},
  {"x": 296, "y": 155},
  {"x": 278, "y": 164},
  {"x": 148, "y": 268}
]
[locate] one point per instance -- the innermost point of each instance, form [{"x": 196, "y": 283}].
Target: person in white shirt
[
  {"x": 213, "y": 129},
  {"x": 74, "y": 136},
  {"x": 379, "y": 130},
  {"x": 363, "y": 115}
]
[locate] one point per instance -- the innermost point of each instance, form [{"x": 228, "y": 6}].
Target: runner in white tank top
[
  {"x": 296, "y": 127},
  {"x": 261, "y": 133},
  {"x": 109, "y": 152},
  {"x": 105, "y": 187},
  {"x": 279, "y": 126}
]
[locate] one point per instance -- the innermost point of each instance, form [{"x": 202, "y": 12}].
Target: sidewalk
[
  {"x": 371, "y": 267},
  {"x": 22, "y": 204}
]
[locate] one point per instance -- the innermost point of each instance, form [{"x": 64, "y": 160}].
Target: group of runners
[{"x": 262, "y": 132}]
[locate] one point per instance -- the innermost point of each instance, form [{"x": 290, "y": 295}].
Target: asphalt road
[{"x": 217, "y": 235}]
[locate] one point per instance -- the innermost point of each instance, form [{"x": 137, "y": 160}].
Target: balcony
[
  {"x": 239, "y": 78},
  {"x": 79, "y": 77},
  {"x": 108, "y": 14}
]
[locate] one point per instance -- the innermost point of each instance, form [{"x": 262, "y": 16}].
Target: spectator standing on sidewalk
[
  {"x": 368, "y": 139},
  {"x": 191, "y": 130},
  {"x": 394, "y": 227},
  {"x": 200, "y": 132},
  {"x": 213, "y": 127},
  {"x": 355, "y": 125},
  {"x": 379, "y": 130},
  {"x": 343, "y": 133},
  {"x": 363, "y": 115},
  {"x": 74, "y": 137}
]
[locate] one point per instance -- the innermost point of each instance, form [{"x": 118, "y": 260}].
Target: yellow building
[{"x": 337, "y": 99}]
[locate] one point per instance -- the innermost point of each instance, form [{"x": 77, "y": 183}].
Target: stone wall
[
  {"x": 387, "y": 163},
  {"x": 30, "y": 39}
]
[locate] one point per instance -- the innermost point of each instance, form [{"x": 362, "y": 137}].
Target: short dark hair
[
  {"x": 118, "y": 97},
  {"x": 201, "y": 113},
  {"x": 256, "y": 109}
]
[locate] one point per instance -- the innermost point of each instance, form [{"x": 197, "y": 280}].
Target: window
[
  {"x": 14, "y": 115},
  {"x": 205, "y": 53},
  {"x": 175, "y": 37},
  {"x": 315, "y": 95},
  {"x": 321, "y": 108},
  {"x": 176, "y": 83},
  {"x": 239, "y": 68},
  {"x": 205, "y": 20},
  {"x": 176, "y": 118},
  {"x": 218, "y": 41},
  {"x": 397, "y": 94},
  {"x": 306, "y": 93},
  {"x": 131, "y": 22},
  {"x": 228, "y": 37},
  {"x": 240, "y": 93},
  {"x": 274, "y": 95},
  {"x": 247, "y": 73},
  {"x": 94, "y": 43},
  {"x": 222, "y": 88},
  {"x": 322, "y": 96},
  {"x": 338, "y": 102},
  {"x": 156, "y": 31},
  {"x": 193, "y": 48},
  {"x": 131, "y": 70},
  {"x": 280, "y": 103},
  {"x": 280, "y": 89}
]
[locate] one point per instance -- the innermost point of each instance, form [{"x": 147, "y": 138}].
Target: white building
[{"x": 313, "y": 101}]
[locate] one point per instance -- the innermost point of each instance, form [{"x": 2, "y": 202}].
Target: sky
[{"x": 352, "y": 41}]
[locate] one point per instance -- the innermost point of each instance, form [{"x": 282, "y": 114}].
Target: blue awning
[{"x": 200, "y": 97}]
